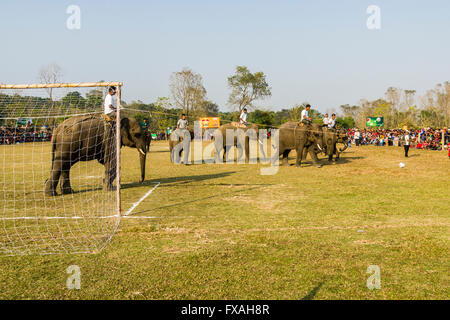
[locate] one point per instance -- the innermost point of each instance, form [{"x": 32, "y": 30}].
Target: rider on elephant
[{"x": 305, "y": 118}]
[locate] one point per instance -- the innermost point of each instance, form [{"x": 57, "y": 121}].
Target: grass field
[{"x": 227, "y": 232}]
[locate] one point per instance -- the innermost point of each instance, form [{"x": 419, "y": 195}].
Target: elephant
[
  {"x": 341, "y": 138},
  {"x": 175, "y": 138},
  {"x": 86, "y": 138},
  {"x": 330, "y": 139},
  {"x": 240, "y": 141},
  {"x": 302, "y": 138}
]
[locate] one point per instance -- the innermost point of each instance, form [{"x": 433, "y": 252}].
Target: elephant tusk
[
  {"x": 319, "y": 147},
  {"x": 141, "y": 151}
]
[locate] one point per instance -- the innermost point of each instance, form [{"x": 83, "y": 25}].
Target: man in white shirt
[
  {"x": 326, "y": 119},
  {"x": 110, "y": 103},
  {"x": 183, "y": 123},
  {"x": 305, "y": 118},
  {"x": 406, "y": 139},
  {"x": 243, "y": 117},
  {"x": 357, "y": 137},
  {"x": 332, "y": 121}
]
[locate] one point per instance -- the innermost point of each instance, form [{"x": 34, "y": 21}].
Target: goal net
[{"x": 59, "y": 169}]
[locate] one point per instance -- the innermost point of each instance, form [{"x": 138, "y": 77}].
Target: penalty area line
[{"x": 140, "y": 200}]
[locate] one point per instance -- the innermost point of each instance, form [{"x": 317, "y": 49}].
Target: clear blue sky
[{"x": 317, "y": 51}]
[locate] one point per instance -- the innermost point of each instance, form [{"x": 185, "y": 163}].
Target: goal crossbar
[{"x": 60, "y": 85}]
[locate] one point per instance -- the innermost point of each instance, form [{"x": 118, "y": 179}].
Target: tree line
[{"x": 188, "y": 95}]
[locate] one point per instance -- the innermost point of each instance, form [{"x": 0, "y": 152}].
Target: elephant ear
[
  {"x": 125, "y": 131},
  {"x": 125, "y": 123}
]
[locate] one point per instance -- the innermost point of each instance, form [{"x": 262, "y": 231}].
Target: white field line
[
  {"x": 57, "y": 218},
  {"x": 126, "y": 215},
  {"x": 141, "y": 199},
  {"x": 76, "y": 218}
]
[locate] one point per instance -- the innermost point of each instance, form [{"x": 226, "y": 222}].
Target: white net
[{"x": 57, "y": 170}]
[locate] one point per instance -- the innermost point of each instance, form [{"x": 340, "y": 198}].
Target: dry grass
[{"x": 227, "y": 232}]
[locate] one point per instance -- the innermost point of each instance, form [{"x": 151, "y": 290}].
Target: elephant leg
[
  {"x": 247, "y": 151},
  {"x": 52, "y": 183},
  {"x": 240, "y": 151},
  {"x": 314, "y": 157},
  {"x": 298, "y": 162},
  {"x": 110, "y": 176},
  {"x": 285, "y": 161},
  {"x": 305, "y": 153},
  {"x": 110, "y": 172},
  {"x": 65, "y": 179},
  {"x": 330, "y": 158},
  {"x": 217, "y": 151},
  {"x": 226, "y": 149}
]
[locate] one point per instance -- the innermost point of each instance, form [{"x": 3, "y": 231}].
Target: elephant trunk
[
  {"x": 142, "y": 158},
  {"x": 343, "y": 149}
]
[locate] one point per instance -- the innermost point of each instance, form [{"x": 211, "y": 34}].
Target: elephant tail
[{"x": 53, "y": 147}]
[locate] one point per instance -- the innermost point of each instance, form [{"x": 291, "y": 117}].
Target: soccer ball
[{"x": 401, "y": 165}]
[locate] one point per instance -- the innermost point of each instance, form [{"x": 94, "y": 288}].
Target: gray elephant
[
  {"x": 341, "y": 138},
  {"x": 241, "y": 140},
  {"x": 86, "y": 138},
  {"x": 176, "y": 148},
  {"x": 302, "y": 138},
  {"x": 331, "y": 137}
]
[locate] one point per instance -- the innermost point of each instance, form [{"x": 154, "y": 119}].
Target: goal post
[{"x": 59, "y": 168}]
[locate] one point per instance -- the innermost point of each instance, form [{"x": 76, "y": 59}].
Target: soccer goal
[{"x": 59, "y": 168}]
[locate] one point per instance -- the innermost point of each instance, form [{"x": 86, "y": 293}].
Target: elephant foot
[
  {"x": 67, "y": 190},
  {"x": 285, "y": 164},
  {"x": 49, "y": 190},
  {"x": 298, "y": 165},
  {"x": 318, "y": 166},
  {"x": 50, "y": 193},
  {"x": 109, "y": 188}
]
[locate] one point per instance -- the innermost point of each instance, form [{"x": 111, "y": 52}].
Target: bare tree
[
  {"x": 187, "y": 91},
  {"x": 51, "y": 73}
]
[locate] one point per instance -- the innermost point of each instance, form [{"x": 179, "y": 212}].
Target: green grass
[{"x": 227, "y": 232}]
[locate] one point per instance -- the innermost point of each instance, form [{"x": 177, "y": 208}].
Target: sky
[{"x": 316, "y": 51}]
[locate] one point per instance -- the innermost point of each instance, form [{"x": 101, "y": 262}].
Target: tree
[
  {"x": 51, "y": 73},
  {"x": 345, "y": 123},
  {"x": 261, "y": 117},
  {"x": 94, "y": 98},
  {"x": 246, "y": 87},
  {"x": 350, "y": 111},
  {"x": 211, "y": 108},
  {"x": 188, "y": 92},
  {"x": 74, "y": 99}
]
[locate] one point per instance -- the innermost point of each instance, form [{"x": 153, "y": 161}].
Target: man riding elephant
[
  {"x": 179, "y": 141},
  {"x": 86, "y": 138}
]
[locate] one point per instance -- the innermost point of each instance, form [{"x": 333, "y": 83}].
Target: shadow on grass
[
  {"x": 324, "y": 161},
  {"x": 179, "y": 179},
  {"x": 313, "y": 292},
  {"x": 183, "y": 203}
]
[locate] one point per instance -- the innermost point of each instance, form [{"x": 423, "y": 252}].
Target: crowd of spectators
[
  {"x": 428, "y": 138},
  {"x": 23, "y": 134}
]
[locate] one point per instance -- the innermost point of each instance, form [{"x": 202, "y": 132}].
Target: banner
[
  {"x": 210, "y": 122},
  {"x": 374, "y": 122},
  {"x": 24, "y": 122}
]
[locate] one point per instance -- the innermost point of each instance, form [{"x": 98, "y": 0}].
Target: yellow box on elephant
[{"x": 210, "y": 122}]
